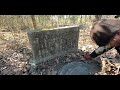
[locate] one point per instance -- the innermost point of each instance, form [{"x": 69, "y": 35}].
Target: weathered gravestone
[{"x": 47, "y": 44}]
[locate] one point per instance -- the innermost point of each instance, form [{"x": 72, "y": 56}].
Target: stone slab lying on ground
[{"x": 80, "y": 68}]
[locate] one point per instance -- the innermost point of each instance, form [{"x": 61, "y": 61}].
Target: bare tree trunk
[
  {"x": 98, "y": 17},
  {"x": 80, "y": 18},
  {"x": 57, "y": 20},
  {"x": 89, "y": 17},
  {"x": 85, "y": 19},
  {"x": 34, "y": 21}
]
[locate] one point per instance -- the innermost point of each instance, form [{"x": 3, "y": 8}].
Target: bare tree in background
[
  {"x": 19, "y": 23},
  {"x": 98, "y": 17},
  {"x": 80, "y": 18},
  {"x": 34, "y": 21}
]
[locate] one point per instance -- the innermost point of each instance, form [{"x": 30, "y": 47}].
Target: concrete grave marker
[{"x": 47, "y": 44}]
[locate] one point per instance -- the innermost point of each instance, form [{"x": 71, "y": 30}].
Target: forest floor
[{"x": 15, "y": 54}]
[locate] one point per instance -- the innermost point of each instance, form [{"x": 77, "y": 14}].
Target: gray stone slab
[
  {"x": 47, "y": 44},
  {"x": 80, "y": 68}
]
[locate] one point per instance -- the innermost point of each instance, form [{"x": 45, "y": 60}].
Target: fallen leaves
[{"x": 13, "y": 62}]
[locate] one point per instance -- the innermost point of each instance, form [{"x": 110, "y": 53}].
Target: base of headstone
[
  {"x": 33, "y": 66},
  {"x": 80, "y": 68}
]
